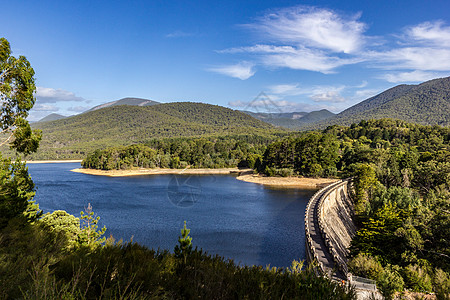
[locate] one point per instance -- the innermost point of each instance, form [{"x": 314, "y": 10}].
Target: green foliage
[
  {"x": 366, "y": 266},
  {"x": 116, "y": 126},
  {"x": 184, "y": 247},
  {"x": 222, "y": 152},
  {"x": 426, "y": 103},
  {"x": 16, "y": 193},
  {"x": 441, "y": 283},
  {"x": 16, "y": 95},
  {"x": 64, "y": 223},
  {"x": 310, "y": 154},
  {"x": 90, "y": 236},
  {"x": 390, "y": 281},
  {"x": 364, "y": 182},
  {"x": 417, "y": 278}
]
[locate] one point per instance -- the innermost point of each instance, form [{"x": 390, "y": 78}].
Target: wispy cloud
[
  {"x": 50, "y": 95},
  {"x": 242, "y": 70},
  {"x": 412, "y": 58},
  {"x": 313, "y": 27},
  {"x": 323, "y": 40},
  {"x": 179, "y": 34},
  {"x": 435, "y": 33},
  {"x": 414, "y": 76},
  {"x": 78, "y": 109},
  {"x": 329, "y": 96},
  {"x": 45, "y": 107}
]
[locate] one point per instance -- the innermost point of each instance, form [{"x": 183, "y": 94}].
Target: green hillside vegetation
[
  {"x": 222, "y": 152},
  {"x": 427, "y": 103},
  {"x": 294, "y": 120},
  {"x": 401, "y": 192},
  {"x": 76, "y": 136}
]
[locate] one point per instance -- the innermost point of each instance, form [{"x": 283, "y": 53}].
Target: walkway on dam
[{"x": 318, "y": 242}]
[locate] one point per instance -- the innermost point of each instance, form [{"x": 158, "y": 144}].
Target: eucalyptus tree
[{"x": 17, "y": 87}]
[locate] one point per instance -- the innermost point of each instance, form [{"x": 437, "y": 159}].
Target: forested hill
[
  {"x": 76, "y": 136},
  {"x": 427, "y": 103},
  {"x": 293, "y": 120}
]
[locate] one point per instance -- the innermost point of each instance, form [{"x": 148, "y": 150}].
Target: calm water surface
[{"x": 243, "y": 221}]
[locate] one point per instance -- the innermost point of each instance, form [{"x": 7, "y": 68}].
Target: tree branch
[{"x": 7, "y": 140}]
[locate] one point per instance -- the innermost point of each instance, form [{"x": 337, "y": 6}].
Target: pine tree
[
  {"x": 185, "y": 244},
  {"x": 90, "y": 236}
]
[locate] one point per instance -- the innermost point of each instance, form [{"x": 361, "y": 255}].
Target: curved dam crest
[{"x": 329, "y": 230}]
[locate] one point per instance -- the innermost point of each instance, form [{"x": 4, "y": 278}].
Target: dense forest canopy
[{"x": 74, "y": 137}]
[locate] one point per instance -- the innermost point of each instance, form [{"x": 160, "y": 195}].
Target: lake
[{"x": 252, "y": 224}]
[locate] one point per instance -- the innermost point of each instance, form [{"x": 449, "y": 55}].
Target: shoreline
[
  {"x": 287, "y": 182},
  {"x": 243, "y": 175},
  {"x": 53, "y": 161},
  {"x": 157, "y": 171}
]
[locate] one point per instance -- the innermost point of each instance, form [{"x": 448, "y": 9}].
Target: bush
[
  {"x": 417, "y": 278},
  {"x": 441, "y": 282},
  {"x": 365, "y": 266},
  {"x": 390, "y": 281}
]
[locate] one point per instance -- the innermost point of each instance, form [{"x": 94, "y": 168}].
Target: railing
[{"x": 309, "y": 243}]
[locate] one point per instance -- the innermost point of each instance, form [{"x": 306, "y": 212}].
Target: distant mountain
[
  {"x": 426, "y": 103},
  {"x": 52, "y": 117},
  {"x": 126, "y": 101},
  {"x": 75, "y": 136},
  {"x": 293, "y": 120}
]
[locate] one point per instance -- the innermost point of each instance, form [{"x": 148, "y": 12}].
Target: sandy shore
[
  {"x": 156, "y": 171},
  {"x": 53, "y": 161},
  {"x": 287, "y": 182},
  {"x": 245, "y": 175}
]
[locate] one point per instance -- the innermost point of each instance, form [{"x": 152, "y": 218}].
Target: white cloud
[
  {"x": 50, "y": 95},
  {"x": 365, "y": 94},
  {"x": 297, "y": 58},
  {"x": 286, "y": 89},
  {"x": 242, "y": 70},
  {"x": 179, "y": 34},
  {"x": 78, "y": 109},
  {"x": 430, "y": 32},
  {"x": 362, "y": 85},
  {"x": 413, "y": 58},
  {"x": 44, "y": 107},
  {"x": 414, "y": 76},
  {"x": 313, "y": 27},
  {"x": 308, "y": 59},
  {"x": 329, "y": 96}
]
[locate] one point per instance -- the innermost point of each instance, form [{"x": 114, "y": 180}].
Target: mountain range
[
  {"x": 135, "y": 120},
  {"x": 116, "y": 125},
  {"x": 427, "y": 103}
]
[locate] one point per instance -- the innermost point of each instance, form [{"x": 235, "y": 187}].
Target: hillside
[
  {"x": 293, "y": 120},
  {"x": 427, "y": 103},
  {"x": 126, "y": 101},
  {"x": 76, "y": 136},
  {"x": 51, "y": 117}
]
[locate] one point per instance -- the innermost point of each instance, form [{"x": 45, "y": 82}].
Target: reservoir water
[{"x": 246, "y": 222}]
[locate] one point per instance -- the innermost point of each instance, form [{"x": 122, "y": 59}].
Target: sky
[{"x": 292, "y": 55}]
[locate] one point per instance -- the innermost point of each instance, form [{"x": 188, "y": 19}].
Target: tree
[
  {"x": 63, "y": 223},
  {"x": 16, "y": 96},
  {"x": 90, "y": 236},
  {"x": 16, "y": 99},
  {"x": 185, "y": 244}
]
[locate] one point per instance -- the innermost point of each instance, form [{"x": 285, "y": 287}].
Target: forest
[{"x": 401, "y": 188}]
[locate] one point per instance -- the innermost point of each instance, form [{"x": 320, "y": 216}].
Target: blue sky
[{"x": 304, "y": 55}]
